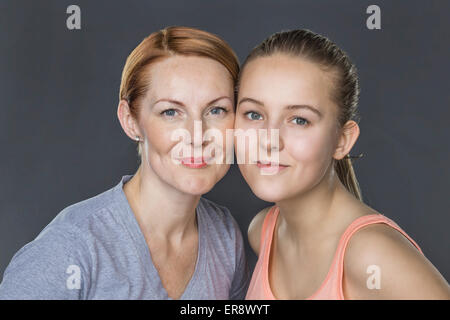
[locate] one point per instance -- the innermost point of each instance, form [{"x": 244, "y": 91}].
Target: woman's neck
[{"x": 160, "y": 209}]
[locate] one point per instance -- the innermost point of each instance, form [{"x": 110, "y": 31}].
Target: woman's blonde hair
[
  {"x": 319, "y": 49},
  {"x": 174, "y": 40}
]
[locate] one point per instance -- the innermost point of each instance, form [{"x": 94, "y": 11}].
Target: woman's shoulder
[
  {"x": 43, "y": 265},
  {"x": 79, "y": 215},
  {"x": 73, "y": 228},
  {"x": 70, "y": 229}
]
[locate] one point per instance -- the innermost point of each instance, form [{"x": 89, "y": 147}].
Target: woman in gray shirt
[{"x": 152, "y": 236}]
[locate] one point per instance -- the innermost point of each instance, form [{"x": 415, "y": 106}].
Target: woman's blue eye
[
  {"x": 253, "y": 115},
  {"x": 218, "y": 110},
  {"x": 300, "y": 121},
  {"x": 169, "y": 112}
]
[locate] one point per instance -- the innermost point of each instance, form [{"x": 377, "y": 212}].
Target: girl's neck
[{"x": 313, "y": 215}]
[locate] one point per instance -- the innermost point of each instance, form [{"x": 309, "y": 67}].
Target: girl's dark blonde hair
[
  {"x": 319, "y": 49},
  {"x": 174, "y": 40}
]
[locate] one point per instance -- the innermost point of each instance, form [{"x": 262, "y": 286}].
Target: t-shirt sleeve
[
  {"x": 52, "y": 267},
  {"x": 241, "y": 277}
]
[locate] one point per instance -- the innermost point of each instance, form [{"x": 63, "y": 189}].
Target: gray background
[{"x": 61, "y": 141}]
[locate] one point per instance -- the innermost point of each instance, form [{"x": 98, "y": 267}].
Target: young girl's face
[{"x": 294, "y": 96}]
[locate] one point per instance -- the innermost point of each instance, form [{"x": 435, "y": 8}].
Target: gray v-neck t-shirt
[{"x": 95, "y": 249}]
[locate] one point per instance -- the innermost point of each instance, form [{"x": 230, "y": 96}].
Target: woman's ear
[
  {"x": 127, "y": 121},
  {"x": 348, "y": 136}
]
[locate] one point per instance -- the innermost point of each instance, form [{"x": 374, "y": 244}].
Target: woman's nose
[{"x": 196, "y": 129}]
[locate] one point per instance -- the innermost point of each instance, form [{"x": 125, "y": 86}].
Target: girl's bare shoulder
[
  {"x": 254, "y": 229},
  {"x": 404, "y": 272}
]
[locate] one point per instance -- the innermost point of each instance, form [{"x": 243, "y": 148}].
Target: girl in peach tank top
[
  {"x": 302, "y": 90},
  {"x": 331, "y": 288}
]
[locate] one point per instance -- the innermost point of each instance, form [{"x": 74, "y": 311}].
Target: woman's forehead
[
  {"x": 189, "y": 78},
  {"x": 191, "y": 67}
]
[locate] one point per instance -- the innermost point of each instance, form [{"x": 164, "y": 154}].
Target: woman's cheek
[
  {"x": 159, "y": 137},
  {"x": 223, "y": 126}
]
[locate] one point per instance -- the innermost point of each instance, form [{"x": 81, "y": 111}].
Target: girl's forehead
[
  {"x": 287, "y": 80},
  {"x": 289, "y": 67}
]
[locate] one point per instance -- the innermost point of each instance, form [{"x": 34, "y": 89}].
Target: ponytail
[{"x": 346, "y": 174}]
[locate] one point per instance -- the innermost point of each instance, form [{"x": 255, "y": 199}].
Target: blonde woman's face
[
  {"x": 187, "y": 95},
  {"x": 293, "y": 96}
]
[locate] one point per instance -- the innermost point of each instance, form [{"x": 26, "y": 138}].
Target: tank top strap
[
  {"x": 338, "y": 262},
  {"x": 267, "y": 230}
]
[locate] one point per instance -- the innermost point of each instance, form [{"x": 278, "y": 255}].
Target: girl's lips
[
  {"x": 269, "y": 165},
  {"x": 270, "y": 168}
]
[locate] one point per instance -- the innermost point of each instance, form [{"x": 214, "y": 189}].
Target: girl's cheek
[
  {"x": 307, "y": 148},
  {"x": 301, "y": 148}
]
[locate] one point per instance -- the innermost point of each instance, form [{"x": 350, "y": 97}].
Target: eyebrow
[
  {"x": 305, "y": 106},
  {"x": 289, "y": 107},
  {"x": 182, "y": 104}
]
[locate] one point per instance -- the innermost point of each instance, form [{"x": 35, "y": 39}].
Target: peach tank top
[{"x": 331, "y": 288}]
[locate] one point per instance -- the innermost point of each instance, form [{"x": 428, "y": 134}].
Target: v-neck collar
[{"x": 128, "y": 219}]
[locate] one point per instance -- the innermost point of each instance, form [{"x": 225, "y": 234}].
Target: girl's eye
[
  {"x": 218, "y": 111},
  {"x": 252, "y": 115},
  {"x": 300, "y": 121},
  {"x": 169, "y": 112}
]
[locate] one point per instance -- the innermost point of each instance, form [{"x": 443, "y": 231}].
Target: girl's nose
[{"x": 270, "y": 139}]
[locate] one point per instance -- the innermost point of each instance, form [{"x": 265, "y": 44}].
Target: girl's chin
[{"x": 269, "y": 193}]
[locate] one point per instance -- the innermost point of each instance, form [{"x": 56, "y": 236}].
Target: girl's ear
[
  {"x": 127, "y": 121},
  {"x": 348, "y": 136}
]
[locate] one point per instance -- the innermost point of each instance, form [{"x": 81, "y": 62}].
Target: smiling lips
[
  {"x": 194, "y": 163},
  {"x": 271, "y": 168}
]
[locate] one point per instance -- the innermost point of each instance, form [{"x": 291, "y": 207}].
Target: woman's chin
[{"x": 196, "y": 186}]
